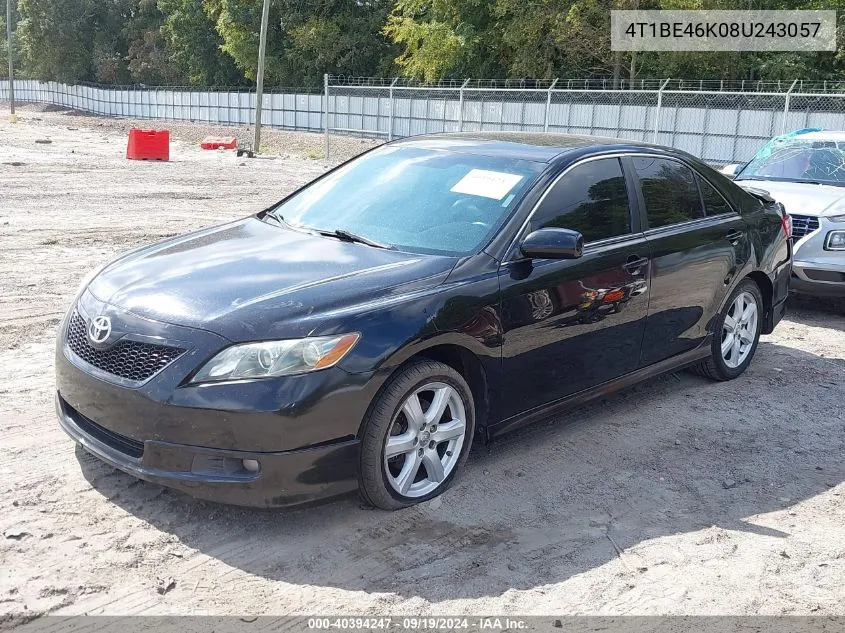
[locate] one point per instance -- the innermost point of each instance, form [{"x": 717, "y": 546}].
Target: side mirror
[
  {"x": 553, "y": 244},
  {"x": 731, "y": 170}
]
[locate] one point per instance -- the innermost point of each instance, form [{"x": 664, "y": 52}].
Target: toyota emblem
[{"x": 99, "y": 329}]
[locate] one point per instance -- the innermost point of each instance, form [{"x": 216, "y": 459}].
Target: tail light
[{"x": 786, "y": 222}]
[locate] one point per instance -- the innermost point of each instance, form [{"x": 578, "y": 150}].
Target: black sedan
[{"x": 361, "y": 333}]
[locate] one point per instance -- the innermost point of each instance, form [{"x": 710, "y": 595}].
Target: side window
[
  {"x": 669, "y": 190},
  {"x": 714, "y": 203},
  {"x": 592, "y": 199}
]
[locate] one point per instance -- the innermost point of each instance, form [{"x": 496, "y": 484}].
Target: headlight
[
  {"x": 276, "y": 358},
  {"x": 835, "y": 241},
  {"x": 837, "y": 218}
]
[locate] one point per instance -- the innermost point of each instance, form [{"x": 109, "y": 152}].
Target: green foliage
[
  {"x": 215, "y": 42},
  {"x": 147, "y": 57},
  {"x": 4, "y": 47},
  {"x": 446, "y": 38},
  {"x": 238, "y": 23},
  {"x": 530, "y": 33},
  {"x": 56, "y": 38},
  {"x": 194, "y": 45},
  {"x": 305, "y": 40},
  {"x": 571, "y": 38},
  {"x": 339, "y": 37},
  {"x": 108, "y": 42}
]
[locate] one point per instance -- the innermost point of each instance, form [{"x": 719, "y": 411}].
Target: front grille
[
  {"x": 125, "y": 445},
  {"x": 130, "y": 360},
  {"x": 803, "y": 224}
]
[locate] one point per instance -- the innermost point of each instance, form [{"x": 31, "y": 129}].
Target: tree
[
  {"x": 56, "y": 38},
  {"x": 446, "y": 38},
  {"x": 340, "y": 37},
  {"x": 530, "y": 37},
  {"x": 109, "y": 45},
  {"x": 4, "y": 50},
  {"x": 194, "y": 45},
  {"x": 305, "y": 40},
  {"x": 238, "y": 23},
  {"x": 215, "y": 42},
  {"x": 147, "y": 55}
]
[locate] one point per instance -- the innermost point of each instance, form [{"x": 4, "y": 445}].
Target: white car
[{"x": 805, "y": 171}]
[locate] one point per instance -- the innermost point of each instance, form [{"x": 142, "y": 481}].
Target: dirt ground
[{"x": 679, "y": 496}]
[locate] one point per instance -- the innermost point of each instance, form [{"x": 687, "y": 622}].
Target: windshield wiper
[
  {"x": 340, "y": 234},
  {"x": 347, "y": 236},
  {"x": 276, "y": 218}
]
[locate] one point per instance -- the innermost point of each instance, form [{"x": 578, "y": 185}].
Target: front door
[{"x": 572, "y": 324}]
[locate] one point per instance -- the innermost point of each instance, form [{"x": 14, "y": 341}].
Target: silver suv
[{"x": 805, "y": 171}]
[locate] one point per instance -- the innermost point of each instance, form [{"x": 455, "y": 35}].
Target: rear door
[
  {"x": 572, "y": 324},
  {"x": 698, "y": 243}
]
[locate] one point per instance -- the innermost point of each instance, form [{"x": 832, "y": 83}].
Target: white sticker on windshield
[{"x": 489, "y": 184}]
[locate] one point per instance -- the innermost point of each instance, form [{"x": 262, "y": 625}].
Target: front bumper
[
  {"x": 816, "y": 271},
  {"x": 285, "y": 478},
  {"x": 819, "y": 276},
  {"x": 301, "y": 429},
  {"x": 817, "y": 288}
]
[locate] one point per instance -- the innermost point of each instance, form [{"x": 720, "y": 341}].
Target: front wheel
[
  {"x": 739, "y": 326},
  {"x": 416, "y": 436}
]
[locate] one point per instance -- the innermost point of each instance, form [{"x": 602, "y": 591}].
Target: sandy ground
[{"x": 679, "y": 496}]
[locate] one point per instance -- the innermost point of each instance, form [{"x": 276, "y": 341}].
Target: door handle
[
  {"x": 734, "y": 236},
  {"x": 634, "y": 264}
]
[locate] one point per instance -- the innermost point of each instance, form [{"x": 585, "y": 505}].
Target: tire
[
  {"x": 388, "y": 482},
  {"x": 726, "y": 366}
]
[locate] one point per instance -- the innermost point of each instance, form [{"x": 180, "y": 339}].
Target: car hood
[
  {"x": 251, "y": 280},
  {"x": 800, "y": 197}
]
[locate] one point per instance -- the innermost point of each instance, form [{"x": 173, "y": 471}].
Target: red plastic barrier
[
  {"x": 148, "y": 145},
  {"x": 213, "y": 142}
]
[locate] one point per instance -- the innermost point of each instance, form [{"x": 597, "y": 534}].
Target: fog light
[
  {"x": 835, "y": 241},
  {"x": 252, "y": 465}
]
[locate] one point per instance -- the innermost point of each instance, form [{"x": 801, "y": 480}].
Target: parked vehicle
[
  {"x": 805, "y": 170},
  {"x": 361, "y": 333}
]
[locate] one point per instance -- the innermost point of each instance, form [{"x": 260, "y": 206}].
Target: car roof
[{"x": 537, "y": 147}]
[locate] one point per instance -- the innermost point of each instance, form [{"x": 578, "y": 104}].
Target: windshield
[
  {"x": 799, "y": 160},
  {"x": 414, "y": 199}
]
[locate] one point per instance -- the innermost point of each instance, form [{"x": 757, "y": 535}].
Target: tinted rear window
[
  {"x": 669, "y": 190},
  {"x": 714, "y": 203}
]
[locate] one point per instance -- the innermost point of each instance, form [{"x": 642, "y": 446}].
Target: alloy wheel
[
  {"x": 425, "y": 440},
  {"x": 739, "y": 330}
]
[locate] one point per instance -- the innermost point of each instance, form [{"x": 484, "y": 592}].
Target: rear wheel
[
  {"x": 416, "y": 436},
  {"x": 739, "y": 326}
]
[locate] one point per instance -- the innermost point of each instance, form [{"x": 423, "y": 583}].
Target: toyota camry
[{"x": 365, "y": 331}]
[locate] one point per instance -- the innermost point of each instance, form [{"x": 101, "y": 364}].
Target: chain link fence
[
  {"x": 286, "y": 108},
  {"x": 719, "y": 121}
]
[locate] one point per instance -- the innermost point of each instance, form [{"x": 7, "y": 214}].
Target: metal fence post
[
  {"x": 548, "y": 106},
  {"x": 786, "y": 107},
  {"x": 390, "y": 119},
  {"x": 10, "y": 50},
  {"x": 657, "y": 113},
  {"x": 461, "y": 107},
  {"x": 326, "y": 111}
]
